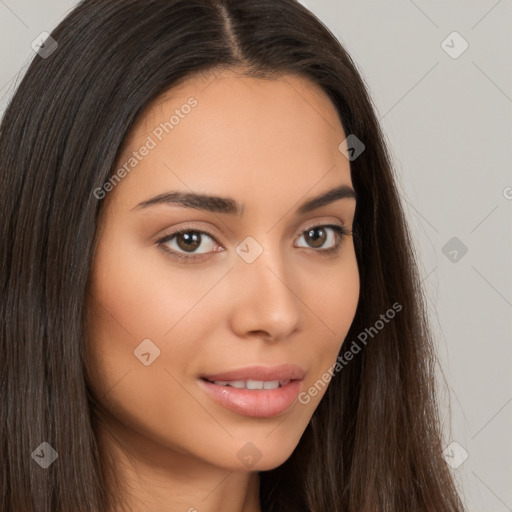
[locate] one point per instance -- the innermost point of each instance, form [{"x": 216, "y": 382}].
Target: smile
[
  {"x": 252, "y": 384},
  {"x": 256, "y": 391}
]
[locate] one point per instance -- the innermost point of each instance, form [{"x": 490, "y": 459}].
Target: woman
[{"x": 210, "y": 301}]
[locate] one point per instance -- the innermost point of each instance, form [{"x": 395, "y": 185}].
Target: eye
[
  {"x": 183, "y": 243},
  {"x": 330, "y": 234},
  {"x": 187, "y": 240}
]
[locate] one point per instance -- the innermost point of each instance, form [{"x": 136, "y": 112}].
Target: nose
[{"x": 266, "y": 301}]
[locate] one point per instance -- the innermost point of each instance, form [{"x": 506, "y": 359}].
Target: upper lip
[{"x": 265, "y": 373}]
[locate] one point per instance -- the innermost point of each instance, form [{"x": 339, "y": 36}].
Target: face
[{"x": 196, "y": 303}]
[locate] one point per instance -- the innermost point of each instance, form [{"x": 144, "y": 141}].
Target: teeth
[
  {"x": 252, "y": 384},
  {"x": 236, "y": 384}
]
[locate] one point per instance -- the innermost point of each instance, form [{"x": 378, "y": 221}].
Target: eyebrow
[{"x": 229, "y": 206}]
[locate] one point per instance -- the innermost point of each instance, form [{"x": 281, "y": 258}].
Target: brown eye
[
  {"x": 189, "y": 240},
  {"x": 183, "y": 244},
  {"x": 316, "y": 237}
]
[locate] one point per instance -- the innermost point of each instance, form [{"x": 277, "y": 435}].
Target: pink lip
[
  {"x": 280, "y": 372},
  {"x": 258, "y": 403}
]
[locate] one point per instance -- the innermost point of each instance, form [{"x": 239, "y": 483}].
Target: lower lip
[{"x": 257, "y": 403}]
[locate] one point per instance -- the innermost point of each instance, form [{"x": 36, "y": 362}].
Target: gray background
[{"x": 447, "y": 121}]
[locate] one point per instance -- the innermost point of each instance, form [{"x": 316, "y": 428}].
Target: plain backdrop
[{"x": 446, "y": 112}]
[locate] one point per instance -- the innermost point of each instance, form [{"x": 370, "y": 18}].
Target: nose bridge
[{"x": 268, "y": 301}]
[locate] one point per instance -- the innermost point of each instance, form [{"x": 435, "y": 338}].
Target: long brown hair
[{"x": 374, "y": 442}]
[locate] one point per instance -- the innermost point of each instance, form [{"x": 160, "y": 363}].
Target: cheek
[
  {"x": 136, "y": 295},
  {"x": 145, "y": 292},
  {"x": 334, "y": 307},
  {"x": 334, "y": 295},
  {"x": 133, "y": 298}
]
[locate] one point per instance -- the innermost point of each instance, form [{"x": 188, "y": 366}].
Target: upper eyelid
[{"x": 212, "y": 232}]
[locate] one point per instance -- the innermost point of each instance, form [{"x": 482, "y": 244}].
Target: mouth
[
  {"x": 250, "y": 384},
  {"x": 256, "y": 391}
]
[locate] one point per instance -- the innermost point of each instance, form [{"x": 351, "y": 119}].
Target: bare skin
[{"x": 271, "y": 145}]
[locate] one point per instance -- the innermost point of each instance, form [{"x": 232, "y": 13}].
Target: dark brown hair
[{"x": 374, "y": 442}]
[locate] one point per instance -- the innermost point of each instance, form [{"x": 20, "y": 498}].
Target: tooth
[
  {"x": 237, "y": 383},
  {"x": 254, "y": 384}
]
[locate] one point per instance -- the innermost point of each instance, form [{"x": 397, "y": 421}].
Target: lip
[
  {"x": 256, "y": 403},
  {"x": 279, "y": 372}
]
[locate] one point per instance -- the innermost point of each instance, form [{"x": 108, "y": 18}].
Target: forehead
[{"x": 225, "y": 133}]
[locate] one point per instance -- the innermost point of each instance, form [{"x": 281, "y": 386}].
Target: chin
[{"x": 265, "y": 453}]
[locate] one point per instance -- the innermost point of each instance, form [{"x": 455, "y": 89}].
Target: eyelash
[{"x": 340, "y": 232}]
